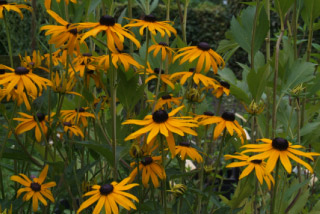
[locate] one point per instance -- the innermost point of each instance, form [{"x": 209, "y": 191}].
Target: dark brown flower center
[
  {"x": 157, "y": 70},
  {"x": 80, "y": 109},
  {"x": 256, "y": 161},
  {"x": 160, "y": 116},
  {"x": 166, "y": 97},
  {"x": 229, "y": 116},
  {"x": 40, "y": 117},
  {"x": 73, "y": 31},
  {"x": 150, "y": 18},
  {"x": 208, "y": 113},
  {"x": 106, "y": 189},
  {"x": 35, "y": 187},
  {"x": 204, "y": 46},
  {"x": 2, "y": 71},
  {"x": 191, "y": 69},
  {"x": 107, "y": 20},
  {"x": 225, "y": 84},
  {"x": 21, "y": 71},
  {"x": 90, "y": 71},
  {"x": 184, "y": 143},
  {"x": 280, "y": 144},
  {"x": 163, "y": 44},
  {"x": 67, "y": 124},
  {"x": 87, "y": 54},
  {"x": 147, "y": 161}
]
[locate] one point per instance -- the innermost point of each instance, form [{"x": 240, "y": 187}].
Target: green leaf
[
  {"x": 282, "y": 6},
  {"x": 309, "y": 127},
  {"x": 310, "y": 11},
  {"x": 301, "y": 202},
  {"x": 239, "y": 94}
]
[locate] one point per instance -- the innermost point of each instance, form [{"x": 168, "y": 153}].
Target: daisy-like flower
[
  {"x": 23, "y": 79},
  {"x": 167, "y": 100},
  {"x": 72, "y": 129},
  {"x": 109, "y": 195},
  {"x": 257, "y": 164},
  {"x": 114, "y": 31},
  {"x": 29, "y": 122},
  {"x": 4, "y": 5},
  {"x": 226, "y": 121},
  {"x": 164, "y": 50},
  {"x": 153, "y": 74},
  {"x": 64, "y": 35},
  {"x": 63, "y": 86},
  {"x": 93, "y": 74},
  {"x": 81, "y": 63},
  {"x": 150, "y": 168},
  {"x": 19, "y": 98},
  {"x": 77, "y": 115},
  {"x": 118, "y": 58},
  {"x": 150, "y": 22},
  {"x": 32, "y": 62},
  {"x": 184, "y": 149},
  {"x": 35, "y": 189},
  {"x": 197, "y": 78},
  {"x": 206, "y": 57},
  {"x": 220, "y": 88},
  {"x": 276, "y": 149},
  {"x": 204, "y": 116},
  {"x": 161, "y": 121}
]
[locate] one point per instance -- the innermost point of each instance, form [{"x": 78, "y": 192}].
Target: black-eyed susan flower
[
  {"x": 64, "y": 35},
  {"x": 150, "y": 168},
  {"x": 162, "y": 122},
  {"x": 185, "y": 150},
  {"x": 29, "y": 122},
  {"x": 118, "y": 58},
  {"x": 153, "y": 74},
  {"x": 32, "y": 62},
  {"x": 21, "y": 98},
  {"x": 257, "y": 164},
  {"x": 197, "y": 78},
  {"x": 206, "y": 57},
  {"x": 164, "y": 50},
  {"x": 167, "y": 100},
  {"x": 4, "y": 5},
  {"x": 276, "y": 149},
  {"x": 72, "y": 129},
  {"x": 77, "y": 115},
  {"x": 24, "y": 80},
  {"x": 115, "y": 32},
  {"x": 62, "y": 85},
  {"x": 110, "y": 196},
  {"x": 222, "y": 87},
  {"x": 95, "y": 75},
  {"x": 82, "y": 63},
  {"x": 150, "y": 22},
  {"x": 35, "y": 189},
  {"x": 226, "y": 121}
]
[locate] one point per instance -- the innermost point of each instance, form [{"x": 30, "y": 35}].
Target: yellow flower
[
  {"x": 19, "y": 98},
  {"x": 184, "y": 149},
  {"x": 279, "y": 148},
  {"x": 150, "y": 167},
  {"x": 24, "y": 80},
  {"x": 72, "y": 129},
  {"x": 226, "y": 121},
  {"x": 197, "y": 78},
  {"x": 164, "y": 50},
  {"x": 161, "y": 121},
  {"x": 114, "y": 31},
  {"x": 257, "y": 164},
  {"x": 32, "y": 63},
  {"x": 118, "y": 58},
  {"x": 63, "y": 86},
  {"x": 77, "y": 116},
  {"x": 254, "y": 108},
  {"x": 150, "y": 22},
  {"x": 167, "y": 100},
  {"x": 153, "y": 74},
  {"x": 4, "y": 5},
  {"x": 35, "y": 189},
  {"x": 220, "y": 88},
  {"x": 64, "y": 35},
  {"x": 177, "y": 189},
  {"x": 29, "y": 122},
  {"x": 109, "y": 195},
  {"x": 206, "y": 57},
  {"x": 81, "y": 63}
]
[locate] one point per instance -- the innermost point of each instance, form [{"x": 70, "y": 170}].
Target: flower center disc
[
  {"x": 166, "y": 97},
  {"x": 163, "y": 44},
  {"x": 147, "y": 161},
  {"x": 107, "y": 20},
  {"x": 208, "y": 113},
  {"x": 87, "y": 54},
  {"x": 204, "y": 46},
  {"x": 185, "y": 143},
  {"x": 280, "y": 144},
  {"x": 229, "y": 116},
  {"x": 150, "y": 18},
  {"x": 35, "y": 187},
  {"x": 40, "y": 116},
  {"x": 67, "y": 124},
  {"x": 106, "y": 189},
  {"x": 225, "y": 84},
  {"x": 80, "y": 109},
  {"x": 157, "y": 70},
  {"x": 90, "y": 71},
  {"x": 256, "y": 161},
  {"x": 72, "y": 31},
  {"x": 160, "y": 116},
  {"x": 191, "y": 70},
  {"x": 21, "y": 71},
  {"x": 2, "y": 71}
]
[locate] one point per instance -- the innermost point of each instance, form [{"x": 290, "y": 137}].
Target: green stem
[
  {"x": 147, "y": 7},
  {"x": 164, "y": 183},
  {"x": 274, "y": 192},
  {"x": 140, "y": 185},
  {"x": 8, "y": 38},
  {"x": 158, "y": 86},
  {"x": 130, "y": 17},
  {"x": 145, "y": 69},
  {"x": 189, "y": 86},
  {"x": 184, "y": 27},
  {"x": 217, "y": 164}
]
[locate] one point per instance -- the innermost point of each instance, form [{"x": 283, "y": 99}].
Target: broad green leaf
[
  {"x": 309, "y": 128},
  {"x": 301, "y": 202},
  {"x": 257, "y": 82},
  {"x": 310, "y": 11},
  {"x": 282, "y": 6},
  {"x": 240, "y": 94}
]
